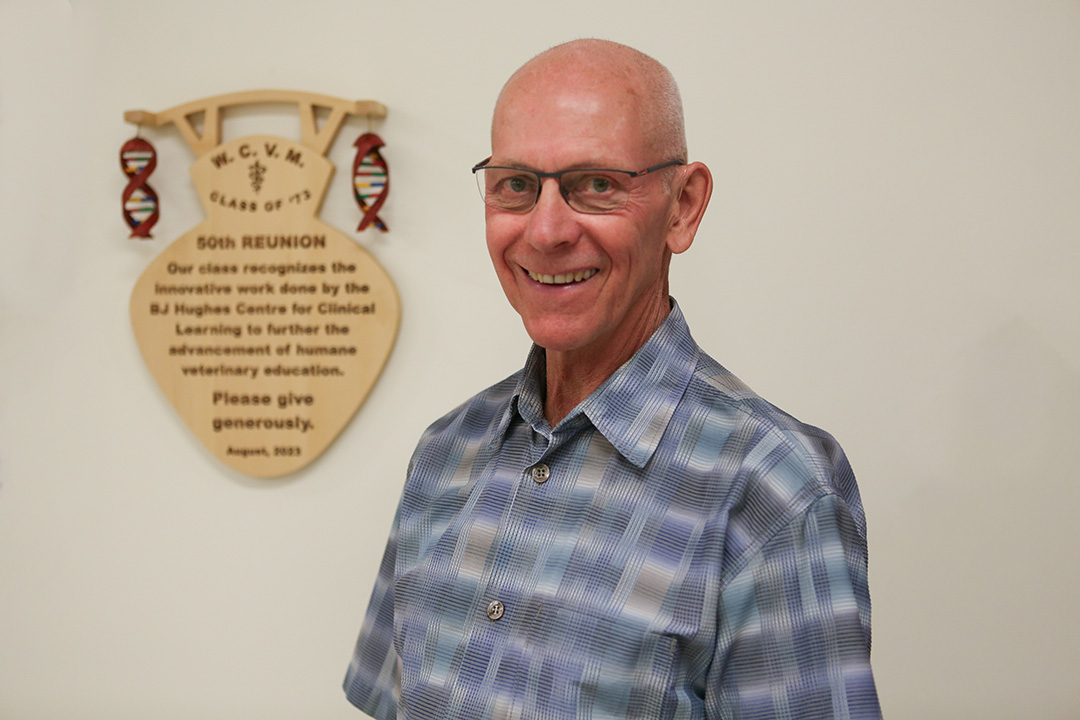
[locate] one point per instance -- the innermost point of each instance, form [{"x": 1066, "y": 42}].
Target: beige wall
[{"x": 892, "y": 252}]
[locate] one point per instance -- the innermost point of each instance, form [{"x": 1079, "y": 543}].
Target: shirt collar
[{"x": 632, "y": 408}]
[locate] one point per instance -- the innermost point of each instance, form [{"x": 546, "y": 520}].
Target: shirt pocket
[{"x": 587, "y": 662}]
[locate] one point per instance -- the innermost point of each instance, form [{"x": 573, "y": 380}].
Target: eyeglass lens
[{"x": 587, "y": 191}]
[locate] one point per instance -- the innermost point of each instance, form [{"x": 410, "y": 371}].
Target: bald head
[{"x": 591, "y": 63}]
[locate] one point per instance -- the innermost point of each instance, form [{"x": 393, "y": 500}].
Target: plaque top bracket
[{"x": 311, "y": 134}]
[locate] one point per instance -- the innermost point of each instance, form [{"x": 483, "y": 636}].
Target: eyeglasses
[{"x": 586, "y": 190}]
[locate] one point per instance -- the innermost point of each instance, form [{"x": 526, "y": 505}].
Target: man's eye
[
  {"x": 598, "y": 184},
  {"x": 593, "y": 185},
  {"x": 517, "y": 184}
]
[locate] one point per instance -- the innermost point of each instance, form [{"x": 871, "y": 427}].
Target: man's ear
[{"x": 692, "y": 189}]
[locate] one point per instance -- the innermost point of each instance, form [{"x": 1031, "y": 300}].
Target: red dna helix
[
  {"x": 371, "y": 180},
  {"x": 140, "y": 202}
]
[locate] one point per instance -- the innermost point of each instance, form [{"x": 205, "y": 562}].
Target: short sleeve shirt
[{"x": 676, "y": 547}]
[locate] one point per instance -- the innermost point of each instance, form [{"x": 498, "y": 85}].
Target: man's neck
[
  {"x": 573, "y": 375},
  {"x": 568, "y": 383}
]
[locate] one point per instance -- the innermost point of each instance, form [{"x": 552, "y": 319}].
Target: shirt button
[
  {"x": 541, "y": 473},
  {"x": 495, "y": 609}
]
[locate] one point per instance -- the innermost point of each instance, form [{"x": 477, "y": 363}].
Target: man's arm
[
  {"x": 794, "y": 625},
  {"x": 373, "y": 682}
]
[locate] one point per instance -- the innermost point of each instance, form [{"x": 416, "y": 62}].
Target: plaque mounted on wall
[{"x": 265, "y": 327}]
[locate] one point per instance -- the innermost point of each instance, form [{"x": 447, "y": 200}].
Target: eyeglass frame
[{"x": 483, "y": 165}]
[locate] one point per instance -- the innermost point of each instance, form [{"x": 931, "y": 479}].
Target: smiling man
[{"x": 622, "y": 529}]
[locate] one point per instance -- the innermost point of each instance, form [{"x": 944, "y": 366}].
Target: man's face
[{"x": 610, "y": 270}]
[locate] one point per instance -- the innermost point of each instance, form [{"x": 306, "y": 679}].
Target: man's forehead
[
  {"x": 591, "y": 103},
  {"x": 591, "y": 77},
  {"x": 558, "y": 133}
]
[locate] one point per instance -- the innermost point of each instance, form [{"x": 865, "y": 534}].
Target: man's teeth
[{"x": 563, "y": 279}]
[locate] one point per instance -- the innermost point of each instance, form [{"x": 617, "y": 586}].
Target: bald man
[{"x": 621, "y": 529}]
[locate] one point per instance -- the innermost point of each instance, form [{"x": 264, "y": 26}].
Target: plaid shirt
[{"x": 676, "y": 547}]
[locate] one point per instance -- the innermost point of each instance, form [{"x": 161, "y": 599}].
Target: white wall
[{"x": 891, "y": 253}]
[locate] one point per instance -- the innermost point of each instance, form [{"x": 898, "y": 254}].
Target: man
[{"x": 622, "y": 529}]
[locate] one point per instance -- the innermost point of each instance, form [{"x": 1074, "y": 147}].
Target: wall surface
[{"x": 892, "y": 253}]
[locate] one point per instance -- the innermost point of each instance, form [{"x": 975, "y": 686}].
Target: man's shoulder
[{"x": 754, "y": 420}]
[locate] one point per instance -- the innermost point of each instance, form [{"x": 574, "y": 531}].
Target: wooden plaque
[{"x": 265, "y": 327}]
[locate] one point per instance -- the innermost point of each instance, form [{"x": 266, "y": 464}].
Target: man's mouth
[{"x": 564, "y": 279}]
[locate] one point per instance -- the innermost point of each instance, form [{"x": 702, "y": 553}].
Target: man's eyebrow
[{"x": 583, "y": 165}]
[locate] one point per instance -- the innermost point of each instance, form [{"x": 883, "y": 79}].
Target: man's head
[
  {"x": 601, "y": 62},
  {"x": 588, "y": 282}
]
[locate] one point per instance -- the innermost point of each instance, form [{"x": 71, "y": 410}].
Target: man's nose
[{"x": 552, "y": 222}]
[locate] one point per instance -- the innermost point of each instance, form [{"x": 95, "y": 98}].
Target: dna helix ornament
[
  {"x": 140, "y": 203},
  {"x": 371, "y": 180}
]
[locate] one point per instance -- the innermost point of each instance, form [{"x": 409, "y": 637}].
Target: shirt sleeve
[
  {"x": 794, "y": 626},
  {"x": 373, "y": 681}
]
